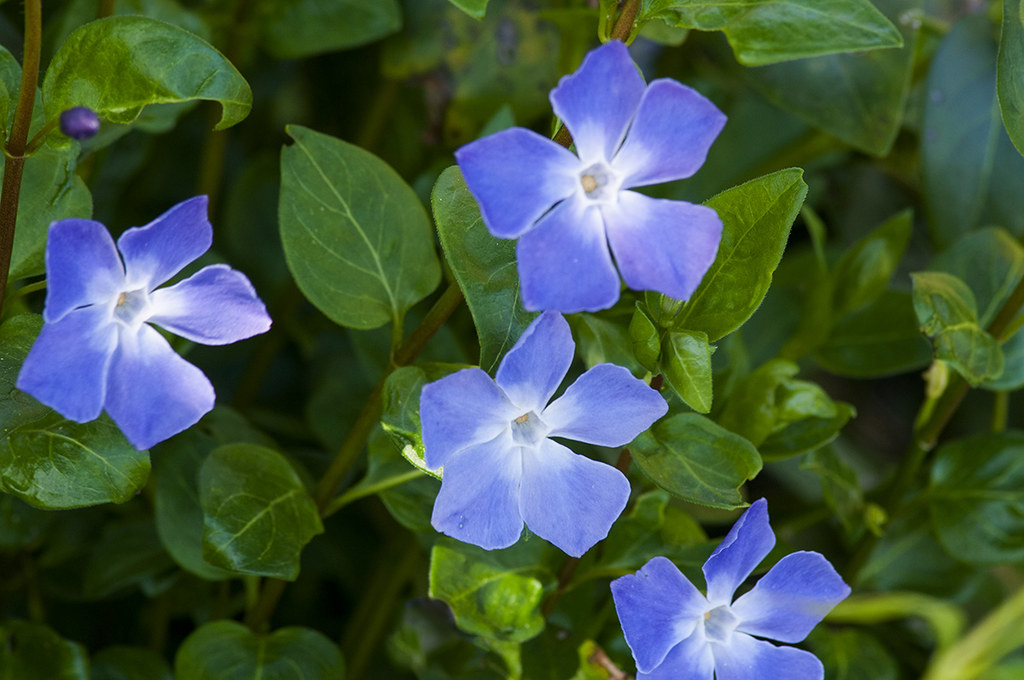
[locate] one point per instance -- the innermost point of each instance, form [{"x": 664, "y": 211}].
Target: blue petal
[
  {"x": 460, "y": 410},
  {"x": 82, "y": 267},
  {"x": 533, "y": 369},
  {"x": 605, "y": 406},
  {"x": 791, "y": 599},
  {"x": 661, "y": 245},
  {"x": 658, "y": 608},
  {"x": 516, "y": 176},
  {"x": 670, "y": 136},
  {"x": 691, "y": 659},
  {"x": 215, "y": 306},
  {"x": 66, "y": 369},
  {"x": 156, "y": 252},
  {"x": 153, "y": 393},
  {"x": 568, "y": 499},
  {"x": 745, "y": 658},
  {"x": 564, "y": 263},
  {"x": 479, "y": 498},
  {"x": 597, "y": 102},
  {"x": 747, "y": 543}
]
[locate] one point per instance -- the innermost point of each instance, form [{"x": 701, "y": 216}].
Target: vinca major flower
[
  {"x": 568, "y": 210},
  {"x": 676, "y": 633},
  {"x": 97, "y": 349},
  {"x": 493, "y": 439}
]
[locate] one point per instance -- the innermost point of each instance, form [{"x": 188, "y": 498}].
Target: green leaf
[
  {"x": 474, "y": 8},
  {"x": 768, "y": 31},
  {"x": 129, "y": 663},
  {"x": 118, "y": 65},
  {"x": 990, "y": 261},
  {"x": 355, "y": 236},
  {"x": 877, "y": 340},
  {"x": 686, "y": 361},
  {"x": 401, "y": 481},
  {"x": 400, "y": 417},
  {"x": 603, "y": 339},
  {"x": 697, "y": 460},
  {"x": 653, "y": 527},
  {"x": 839, "y": 485},
  {"x": 1010, "y": 65},
  {"x": 301, "y": 28},
  {"x": 128, "y": 554},
  {"x": 484, "y": 266},
  {"x": 496, "y": 594},
  {"x": 852, "y": 654},
  {"x": 757, "y": 217},
  {"x": 227, "y": 650},
  {"x": 32, "y": 651},
  {"x": 257, "y": 514},
  {"x": 858, "y": 97},
  {"x": 645, "y": 339},
  {"x": 49, "y": 461},
  {"x": 947, "y": 312},
  {"x": 976, "y": 498},
  {"x": 863, "y": 272}
]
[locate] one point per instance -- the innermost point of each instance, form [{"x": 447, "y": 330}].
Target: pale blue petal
[
  {"x": 605, "y": 406},
  {"x": 460, "y": 410},
  {"x": 215, "y": 306},
  {"x": 153, "y": 394},
  {"x": 691, "y": 659},
  {"x": 658, "y": 608},
  {"x": 533, "y": 369},
  {"x": 156, "y": 252},
  {"x": 568, "y": 499},
  {"x": 82, "y": 267},
  {"x": 66, "y": 369},
  {"x": 746, "y": 658},
  {"x": 791, "y": 599},
  {"x": 661, "y": 245},
  {"x": 479, "y": 498},
  {"x": 597, "y": 102},
  {"x": 516, "y": 175},
  {"x": 564, "y": 263},
  {"x": 747, "y": 543},
  {"x": 670, "y": 136}
]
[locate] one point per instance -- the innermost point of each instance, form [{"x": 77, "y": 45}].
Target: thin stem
[
  {"x": 39, "y": 137},
  {"x": 1000, "y": 411},
  {"x": 15, "y": 149},
  {"x": 355, "y": 494}
]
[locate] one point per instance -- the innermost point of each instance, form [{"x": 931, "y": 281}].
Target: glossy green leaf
[
  {"x": 1010, "y": 87},
  {"x": 129, "y": 663},
  {"x": 863, "y": 272},
  {"x": 882, "y": 338},
  {"x": 355, "y": 235},
  {"x": 49, "y": 461},
  {"x": 301, "y": 28},
  {"x": 484, "y": 266},
  {"x": 976, "y": 498},
  {"x": 32, "y": 651},
  {"x": 697, "y": 460},
  {"x": 257, "y": 513},
  {"x": 757, "y": 217},
  {"x": 653, "y": 527},
  {"x": 496, "y": 594},
  {"x": 645, "y": 339},
  {"x": 118, "y": 65},
  {"x": 947, "y": 312},
  {"x": 227, "y": 650},
  {"x": 401, "y": 408},
  {"x": 604, "y": 339},
  {"x": 474, "y": 8},
  {"x": 686, "y": 363},
  {"x": 767, "y": 31}
]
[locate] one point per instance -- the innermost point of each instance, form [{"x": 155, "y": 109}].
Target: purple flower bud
[{"x": 79, "y": 122}]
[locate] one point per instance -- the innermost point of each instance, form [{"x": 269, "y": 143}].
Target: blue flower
[
  {"x": 567, "y": 211},
  {"x": 97, "y": 349},
  {"x": 501, "y": 469},
  {"x": 677, "y": 633}
]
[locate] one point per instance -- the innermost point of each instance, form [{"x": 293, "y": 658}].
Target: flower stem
[{"x": 16, "y": 143}]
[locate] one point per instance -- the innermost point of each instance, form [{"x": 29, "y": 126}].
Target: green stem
[
  {"x": 355, "y": 494},
  {"x": 15, "y": 149},
  {"x": 1000, "y": 411}
]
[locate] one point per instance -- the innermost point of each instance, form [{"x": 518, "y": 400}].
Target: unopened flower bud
[{"x": 79, "y": 122}]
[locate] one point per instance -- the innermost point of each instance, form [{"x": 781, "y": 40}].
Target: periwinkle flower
[
  {"x": 79, "y": 122},
  {"x": 493, "y": 439},
  {"x": 568, "y": 210},
  {"x": 97, "y": 349},
  {"x": 676, "y": 633}
]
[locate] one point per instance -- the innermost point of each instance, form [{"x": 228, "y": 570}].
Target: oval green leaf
[
  {"x": 686, "y": 361},
  {"x": 32, "y": 651},
  {"x": 1009, "y": 85}
]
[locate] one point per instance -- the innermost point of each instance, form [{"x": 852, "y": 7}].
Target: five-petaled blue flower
[
  {"x": 97, "y": 350},
  {"x": 676, "y": 633},
  {"x": 566, "y": 210},
  {"x": 501, "y": 469}
]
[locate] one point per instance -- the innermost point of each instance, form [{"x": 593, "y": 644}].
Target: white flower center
[
  {"x": 600, "y": 183},
  {"x": 719, "y": 623},
  {"x": 528, "y": 429},
  {"x": 132, "y": 308}
]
